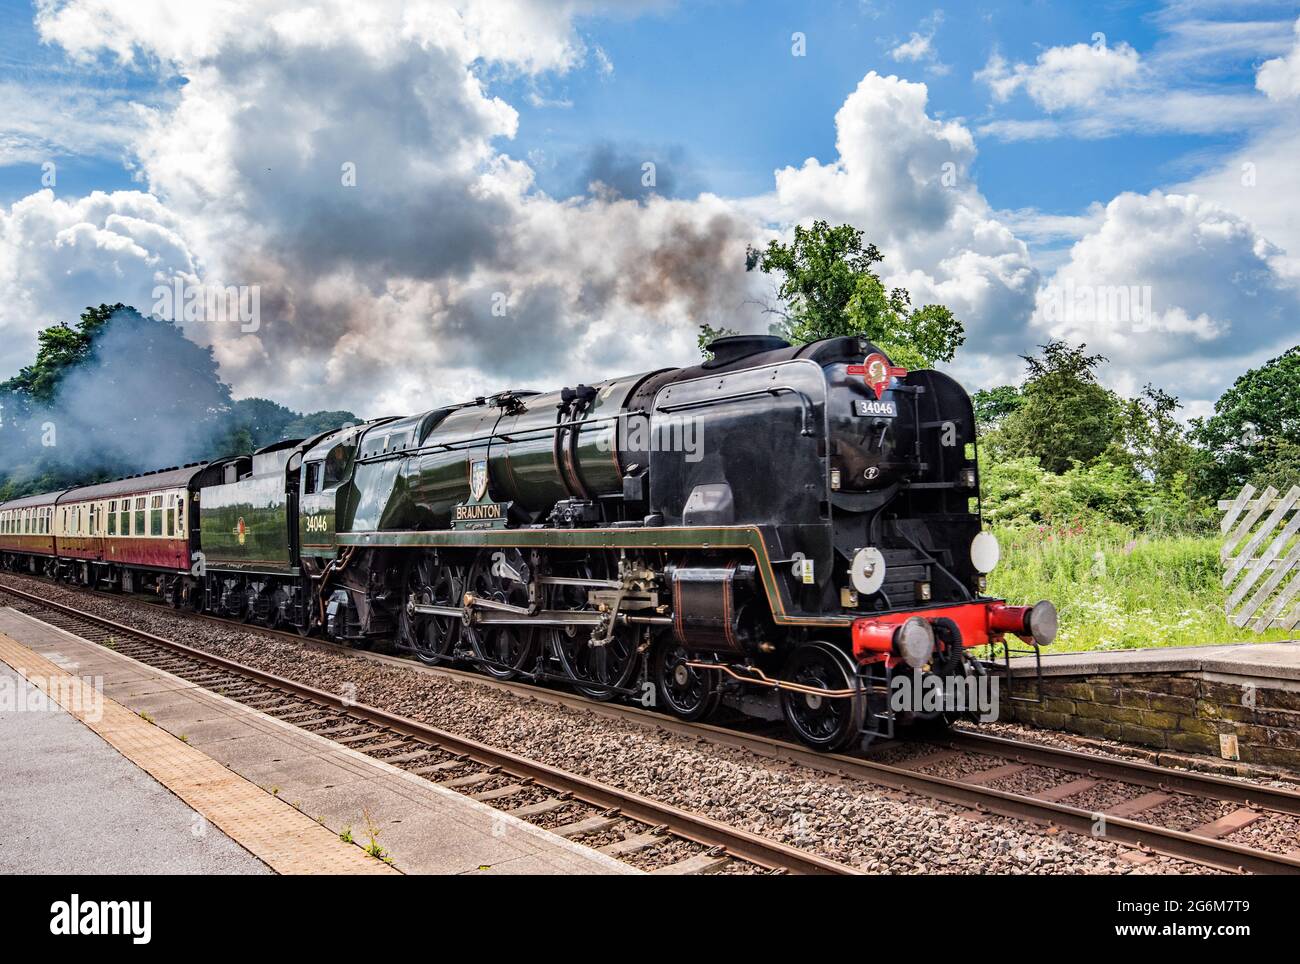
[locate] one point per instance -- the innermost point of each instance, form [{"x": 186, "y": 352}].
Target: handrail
[{"x": 805, "y": 403}]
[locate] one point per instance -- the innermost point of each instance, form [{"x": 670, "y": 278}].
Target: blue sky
[
  {"x": 1095, "y": 145},
  {"x": 710, "y": 88},
  {"x": 715, "y": 81}
]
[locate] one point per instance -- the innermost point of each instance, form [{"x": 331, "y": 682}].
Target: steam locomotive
[{"x": 785, "y": 529}]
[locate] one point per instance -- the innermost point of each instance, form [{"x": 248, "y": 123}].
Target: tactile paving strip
[{"x": 285, "y": 839}]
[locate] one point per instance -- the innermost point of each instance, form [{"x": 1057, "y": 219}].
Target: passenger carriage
[{"x": 27, "y": 533}]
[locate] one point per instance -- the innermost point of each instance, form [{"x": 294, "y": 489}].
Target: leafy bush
[{"x": 1019, "y": 492}]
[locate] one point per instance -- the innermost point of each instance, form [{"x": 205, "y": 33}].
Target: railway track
[
  {"x": 1005, "y": 758},
  {"x": 497, "y": 777}
]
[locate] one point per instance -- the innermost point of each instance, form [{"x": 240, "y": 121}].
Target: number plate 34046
[{"x": 867, "y": 406}]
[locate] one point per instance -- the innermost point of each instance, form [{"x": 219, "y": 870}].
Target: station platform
[
  {"x": 278, "y": 796},
  {"x": 1239, "y": 702},
  {"x": 1265, "y": 661},
  {"x": 74, "y": 805}
]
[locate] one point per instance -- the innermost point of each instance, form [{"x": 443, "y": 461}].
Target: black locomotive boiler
[{"x": 789, "y": 529}]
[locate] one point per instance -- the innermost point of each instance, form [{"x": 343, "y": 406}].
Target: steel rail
[
  {"x": 691, "y": 826},
  {"x": 1151, "y": 837},
  {"x": 1131, "y": 771}
]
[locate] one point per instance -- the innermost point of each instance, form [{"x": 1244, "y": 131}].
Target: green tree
[
  {"x": 993, "y": 405},
  {"x": 118, "y": 393},
  {"x": 1153, "y": 436},
  {"x": 1254, "y": 433},
  {"x": 59, "y": 349},
  {"x": 305, "y": 426},
  {"x": 1065, "y": 416},
  {"x": 830, "y": 289}
]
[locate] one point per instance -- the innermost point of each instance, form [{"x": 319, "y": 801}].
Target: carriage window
[
  {"x": 336, "y": 465},
  {"x": 138, "y": 525},
  {"x": 171, "y": 521},
  {"x": 112, "y": 518},
  {"x": 155, "y": 516},
  {"x": 313, "y": 477}
]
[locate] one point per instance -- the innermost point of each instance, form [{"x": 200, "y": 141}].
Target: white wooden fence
[{"x": 1261, "y": 556}]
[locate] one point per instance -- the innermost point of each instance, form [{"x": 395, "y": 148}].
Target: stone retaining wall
[{"x": 1192, "y": 712}]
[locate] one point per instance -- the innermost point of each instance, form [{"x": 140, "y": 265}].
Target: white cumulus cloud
[
  {"x": 1174, "y": 289},
  {"x": 1067, "y": 76},
  {"x": 58, "y": 256},
  {"x": 1279, "y": 78}
]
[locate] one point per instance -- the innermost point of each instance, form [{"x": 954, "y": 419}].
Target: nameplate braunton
[{"x": 480, "y": 515}]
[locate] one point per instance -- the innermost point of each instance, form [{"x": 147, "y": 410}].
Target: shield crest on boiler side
[{"x": 478, "y": 479}]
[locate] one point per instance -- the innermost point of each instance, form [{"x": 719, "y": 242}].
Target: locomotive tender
[{"x": 787, "y": 528}]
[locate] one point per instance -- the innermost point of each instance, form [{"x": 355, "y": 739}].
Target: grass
[{"x": 1120, "y": 589}]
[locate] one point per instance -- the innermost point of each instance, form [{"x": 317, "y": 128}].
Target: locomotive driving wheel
[
  {"x": 598, "y": 668},
  {"x": 426, "y": 582},
  {"x": 823, "y": 722},
  {"x": 501, "y": 575},
  {"x": 684, "y": 691}
]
